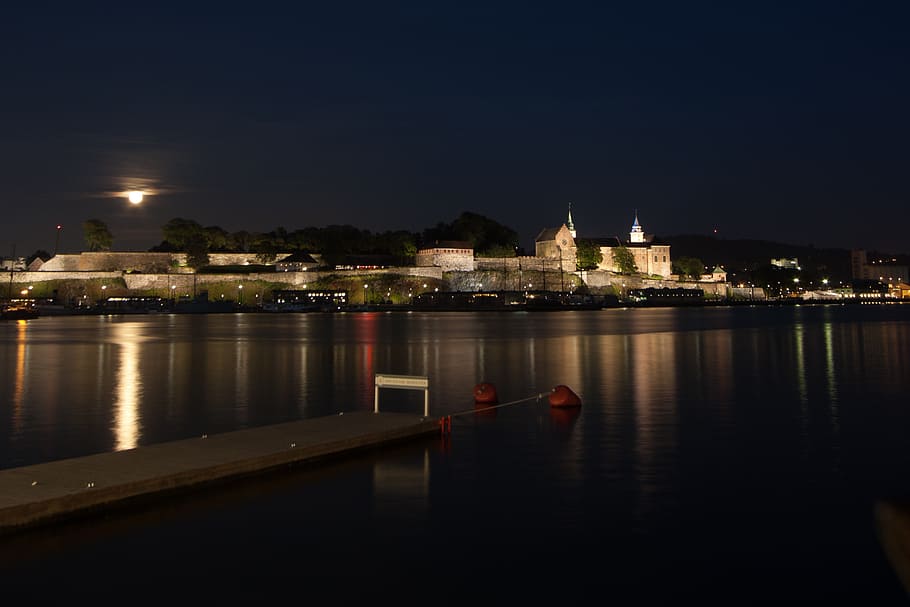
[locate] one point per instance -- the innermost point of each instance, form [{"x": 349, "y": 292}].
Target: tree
[
  {"x": 400, "y": 244},
  {"x": 623, "y": 258},
  {"x": 498, "y": 250},
  {"x": 44, "y": 255},
  {"x": 689, "y": 266},
  {"x": 239, "y": 242},
  {"x": 178, "y": 232},
  {"x": 216, "y": 237},
  {"x": 197, "y": 254},
  {"x": 97, "y": 236},
  {"x": 588, "y": 255},
  {"x": 483, "y": 233}
]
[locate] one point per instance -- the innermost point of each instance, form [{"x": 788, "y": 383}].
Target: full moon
[{"x": 135, "y": 197}]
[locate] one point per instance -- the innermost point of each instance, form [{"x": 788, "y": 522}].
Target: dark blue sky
[{"x": 779, "y": 121}]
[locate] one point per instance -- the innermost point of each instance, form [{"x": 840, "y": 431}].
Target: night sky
[{"x": 777, "y": 121}]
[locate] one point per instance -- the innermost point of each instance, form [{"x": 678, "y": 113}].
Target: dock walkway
[{"x": 44, "y": 493}]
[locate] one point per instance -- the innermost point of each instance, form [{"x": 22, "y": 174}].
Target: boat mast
[{"x": 9, "y": 294}]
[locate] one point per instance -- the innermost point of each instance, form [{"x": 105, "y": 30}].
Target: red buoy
[
  {"x": 485, "y": 394},
  {"x": 562, "y": 396}
]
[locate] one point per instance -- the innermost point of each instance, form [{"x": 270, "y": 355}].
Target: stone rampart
[
  {"x": 42, "y": 276},
  {"x": 164, "y": 281},
  {"x": 150, "y": 262},
  {"x": 447, "y": 259},
  {"x": 522, "y": 263}
]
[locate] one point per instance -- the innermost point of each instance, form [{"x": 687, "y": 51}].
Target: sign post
[{"x": 403, "y": 382}]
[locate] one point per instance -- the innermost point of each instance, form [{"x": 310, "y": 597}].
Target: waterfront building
[
  {"x": 450, "y": 255},
  {"x": 883, "y": 270},
  {"x": 297, "y": 262},
  {"x": 557, "y": 244},
  {"x": 718, "y": 274},
  {"x": 786, "y": 263},
  {"x": 652, "y": 256}
]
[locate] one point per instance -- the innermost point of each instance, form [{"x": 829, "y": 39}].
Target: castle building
[
  {"x": 450, "y": 255},
  {"x": 557, "y": 243},
  {"x": 652, "y": 257}
]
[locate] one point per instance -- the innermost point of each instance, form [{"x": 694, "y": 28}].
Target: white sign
[
  {"x": 416, "y": 382},
  {"x": 407, "y": 382}
]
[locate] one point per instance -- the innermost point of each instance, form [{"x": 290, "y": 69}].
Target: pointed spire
[
  {"x": 569, "y": 223},
  {"x": 636, "y": 235}
]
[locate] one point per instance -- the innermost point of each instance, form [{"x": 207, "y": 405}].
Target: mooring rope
[{"x": 536, "y": 397}]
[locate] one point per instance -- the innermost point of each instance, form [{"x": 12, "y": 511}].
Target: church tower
[
  {"x": 569, "y": 223},
  {"x": 636, "y": 235}
]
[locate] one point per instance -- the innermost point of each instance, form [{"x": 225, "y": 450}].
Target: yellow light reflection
[
  {"x": 19, "y": 377},
  {"x": 129, "y": 386}
]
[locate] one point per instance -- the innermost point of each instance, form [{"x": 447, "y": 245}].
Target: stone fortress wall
[{"x": 159, "y": 272}]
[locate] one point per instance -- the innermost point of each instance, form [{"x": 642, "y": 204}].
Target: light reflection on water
[
  {"x": 166, "y": 377},
  {"x": 694, "y": 421}
]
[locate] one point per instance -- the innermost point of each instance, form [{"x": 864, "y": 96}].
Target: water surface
[{"x": 724, "y": 455}]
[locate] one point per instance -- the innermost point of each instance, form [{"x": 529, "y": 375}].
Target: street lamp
[
  {"x": 240, "y": 294},
  {"x": 365, "y": 287},
  {"x": 562, "y": 284},
  {"x": 57, "y": 242}
]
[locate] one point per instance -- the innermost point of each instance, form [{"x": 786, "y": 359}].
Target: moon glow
[{"x": 135, "y": 197}]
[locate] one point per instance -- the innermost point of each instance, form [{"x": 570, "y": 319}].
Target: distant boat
[
  {"x": 270, "y": 306},
  {"x": 132, "y": 305},
  {"x": 204, "y": 306},
  {"x": 19, "y": 312},
  {"x": 508, "y": 301}
]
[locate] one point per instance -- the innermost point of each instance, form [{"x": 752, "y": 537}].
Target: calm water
[{"x": 724, "y": 455}]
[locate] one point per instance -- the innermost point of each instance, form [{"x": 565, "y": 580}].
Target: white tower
[{"x": 636, "y": 235}]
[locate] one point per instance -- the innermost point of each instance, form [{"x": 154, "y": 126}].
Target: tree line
[{"x": 335, "y": 242}]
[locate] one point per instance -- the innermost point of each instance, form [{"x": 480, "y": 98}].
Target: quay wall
[
  {"x": 164, "y": 281},
  {"x": 490, "y": 276}
]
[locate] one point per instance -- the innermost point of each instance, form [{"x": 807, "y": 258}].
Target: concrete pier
[{"x": 45, "y": 493}]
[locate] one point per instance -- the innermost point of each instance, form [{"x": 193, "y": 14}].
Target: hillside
[{"x": 745, "y": 255}]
